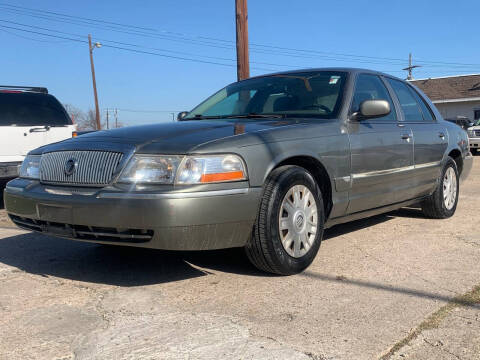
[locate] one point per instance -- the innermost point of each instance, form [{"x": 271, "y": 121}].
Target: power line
[
  {"x": 127, "y": 49},
  {"x": 215, "y": 42}
]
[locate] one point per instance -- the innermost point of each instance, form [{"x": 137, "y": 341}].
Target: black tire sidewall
[
  {"x": 286, "y": 263},
  {"x": 446, "y": 212}
]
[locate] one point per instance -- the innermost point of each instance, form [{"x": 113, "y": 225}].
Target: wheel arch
[
  {"x": 319, "y": 173},
  {"x": 456, "y": 155}
]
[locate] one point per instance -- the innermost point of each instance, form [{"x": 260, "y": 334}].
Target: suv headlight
[
  {"x": 151, "y": 169},
  {"x": 211, "y": 169},
  {"x": 156, "y": 169},
  {"x": 30, "y": 168},
  {"x": 471, "y": 133}
]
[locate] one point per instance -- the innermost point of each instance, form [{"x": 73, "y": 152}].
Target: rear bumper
[
  {"x": 467, "y": 166},
  {"x": 9, "y": 170},
  {"x": 171, "y": 221}
]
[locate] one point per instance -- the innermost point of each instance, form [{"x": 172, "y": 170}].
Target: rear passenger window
[
  {"x": 410, "y": 106},
  {"x": 370, "y": 87},
  {"x": 427, "y": 114}
]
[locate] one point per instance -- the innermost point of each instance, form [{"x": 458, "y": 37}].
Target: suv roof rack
[{"x": 38, "y": 89}]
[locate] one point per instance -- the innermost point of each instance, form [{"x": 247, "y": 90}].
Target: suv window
[
  {"x": 371, "y": 87},
  {"x": 31, "y": 109},
  {"x": 411, "y": 108}
]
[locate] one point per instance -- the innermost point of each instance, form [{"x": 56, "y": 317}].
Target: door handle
[
  {"x": 441, "y": 135},
  {"x": 40, "y": 129},
  {"x": 405, "y": 136}
]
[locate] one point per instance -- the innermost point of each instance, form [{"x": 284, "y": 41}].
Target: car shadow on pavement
[
  {"x": 112, "y": 265},
  {"x": 130, "y": 266}
]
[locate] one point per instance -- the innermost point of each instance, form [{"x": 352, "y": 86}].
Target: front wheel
[
  {"x": 473, "y": 151},
  {"x": 289, "y": 226},
  {"x": 443, "y": 202}
]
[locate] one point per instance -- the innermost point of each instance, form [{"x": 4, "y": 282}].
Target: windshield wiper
[
  {"x": 239, "y": 116},
  {"x": 253, "y": 116}
]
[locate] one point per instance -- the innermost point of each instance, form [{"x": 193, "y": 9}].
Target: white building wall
[{"x": 451, "y": 110}]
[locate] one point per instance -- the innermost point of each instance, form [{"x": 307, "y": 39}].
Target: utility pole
[
  {"x": 243, "y": 64},
  {"x": 107, "y": 120},
  {"x": 116, "y": 118},
  {"x": 410, "y": 67},
  {"x": 90, "y": 48}
]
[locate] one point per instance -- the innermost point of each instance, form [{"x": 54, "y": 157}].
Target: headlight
[
  {"x": 211, "y": 169},
  {"x": 151, "y": 169},
  {"x": 470, "y": 133},
  {"x": 31, "y": 167}
]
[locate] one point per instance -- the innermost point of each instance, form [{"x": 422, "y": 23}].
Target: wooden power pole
[
  {"x": 97, "y": 110},
  {"x": 243, "y": 63}
]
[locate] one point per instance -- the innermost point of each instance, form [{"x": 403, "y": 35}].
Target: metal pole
[
  {"x": 116, "y": 118},
  {"x": 97, "y": 111},
  {"x": 243, "y": 64},
  {"x": 107, "y": 120}
]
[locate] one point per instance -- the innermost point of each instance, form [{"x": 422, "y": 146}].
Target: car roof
[{"x": 339, "y": 69}]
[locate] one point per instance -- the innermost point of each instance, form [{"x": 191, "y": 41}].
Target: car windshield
[
  {"x": 306, "y": 94},
  {"x": 31, "y": 109},
  {"x": 476, "y": 122}
]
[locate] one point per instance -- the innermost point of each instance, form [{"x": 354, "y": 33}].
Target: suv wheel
[
  {"x": 289, "y": 226},
  {"x": 473, "y": 151},
  {"x": 443, "y": 202}
]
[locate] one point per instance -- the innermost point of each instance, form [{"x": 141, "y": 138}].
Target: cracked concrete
[{"x": 373, "y": 282}]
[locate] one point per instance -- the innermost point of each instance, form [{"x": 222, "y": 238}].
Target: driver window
[{"x": 370, "y": 87}]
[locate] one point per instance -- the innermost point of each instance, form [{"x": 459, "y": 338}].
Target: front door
[{"x": 381, "y": 151}]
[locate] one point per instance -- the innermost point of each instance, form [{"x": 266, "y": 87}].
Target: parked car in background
[
  {"x": 462, "y": 121},
  {"x": 266, "y": 164},
  {"x": 29, "y": 118},
  {"x": 474, "y": 136}
]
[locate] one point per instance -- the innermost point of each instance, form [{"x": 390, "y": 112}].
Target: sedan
[{"x": 266, "y": 164}]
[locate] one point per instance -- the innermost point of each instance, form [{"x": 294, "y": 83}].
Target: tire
[
  {"x": 473, "y": 151},
  {"x": 265, "y": 250},
  {"x": 436, "y": 205}
]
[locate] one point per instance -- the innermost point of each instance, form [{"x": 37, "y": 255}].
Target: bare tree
[
  {"x": 76, "y": 114},
  {"x": 84, "y": 120}
]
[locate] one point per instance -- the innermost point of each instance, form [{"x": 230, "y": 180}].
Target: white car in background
[
  {"x": 29, "y": 118},
  {"x": 474, "y": 137}
]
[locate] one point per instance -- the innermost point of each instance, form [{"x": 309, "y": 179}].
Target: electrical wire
[{"x": 216, "y": 42}]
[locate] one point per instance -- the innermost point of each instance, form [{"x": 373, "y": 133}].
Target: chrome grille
[
  {"x": 92, "y": 167},
  {"x": 477, "y": 133}
]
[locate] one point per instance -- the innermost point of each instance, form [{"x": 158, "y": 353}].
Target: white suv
[
  {"x": 29, "y": 118},
  {"x": 474, "y": 136}
]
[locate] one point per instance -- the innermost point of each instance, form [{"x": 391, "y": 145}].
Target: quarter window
[
  {"x": 411, "y": 108},
  {"x": 371, "y": 87}
]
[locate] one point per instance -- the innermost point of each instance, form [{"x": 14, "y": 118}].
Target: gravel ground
[{"x": 395, "y": 286}]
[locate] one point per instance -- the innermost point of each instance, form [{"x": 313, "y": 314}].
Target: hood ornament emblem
[{"x": 70, "y": 167}]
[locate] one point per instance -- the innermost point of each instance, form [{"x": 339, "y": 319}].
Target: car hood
[
  {"x": 474, "y": 127},
  {"x": 175, "y": 137}
]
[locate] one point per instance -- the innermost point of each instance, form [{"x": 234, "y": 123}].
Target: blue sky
[{"x": 376, "y": 32}]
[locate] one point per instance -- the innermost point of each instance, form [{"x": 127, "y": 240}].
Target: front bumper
[
  {"x": 9, "y": 170},
  {"x": 474, "y": 142},
  {"x": 171, "y": 220}
]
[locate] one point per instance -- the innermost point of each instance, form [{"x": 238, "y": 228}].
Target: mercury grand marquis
[{"x": 266, "y": 164}]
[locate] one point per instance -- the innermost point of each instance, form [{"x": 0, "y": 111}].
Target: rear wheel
[
  {"x": 289, "y": 226},
  {"x": 443, "y": 202}
]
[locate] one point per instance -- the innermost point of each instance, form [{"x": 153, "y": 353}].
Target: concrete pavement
[{"x": 389, "y": 287}]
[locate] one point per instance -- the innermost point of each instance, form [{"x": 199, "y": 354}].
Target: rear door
[
  {"x": 381, "y": 151},
  {"x": 429, "y": 136}
]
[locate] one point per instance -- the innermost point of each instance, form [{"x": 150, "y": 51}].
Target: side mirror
[
  {"x": 181, "y": 115},
  {"x": 373, "y": 109}
]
